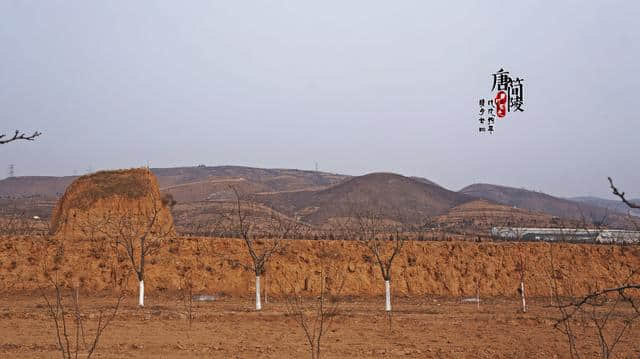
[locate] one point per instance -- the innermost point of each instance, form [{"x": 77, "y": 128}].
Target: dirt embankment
[
  {"x": 424, "y": 268},
  {"x": 109, "y": 196}
]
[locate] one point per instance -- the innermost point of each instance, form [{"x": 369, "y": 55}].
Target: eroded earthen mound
[{"x": 106, "y": 198}]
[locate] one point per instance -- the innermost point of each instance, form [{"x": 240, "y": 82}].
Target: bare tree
[
  {"x": 608, "y": 314},
  {"x": 282, "y": 227},
  {"x": 186, "y": 293},
  {"x": 18, "y": 136},
  {"x": 383, "y": 239},
  {"x": 75, "y": 335},
  {"x": 139, "y": 234},
  {"x": 517, "y": 234},
  {"x": 522, "y": 268},
  {"x": 315, "y": 316},
  {"x": 259, "y": 251},
  {"x": 215, "y": 225},
  {"x": 16, "y": 222},
  {"x": 72, "y": 334}
]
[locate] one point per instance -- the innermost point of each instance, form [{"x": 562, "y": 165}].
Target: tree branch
[
  {"x": 621, "y": 195},
  {"x": 18, "y": 136}
]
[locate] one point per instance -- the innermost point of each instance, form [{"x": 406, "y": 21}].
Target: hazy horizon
[{"x": 357, "y": 87}]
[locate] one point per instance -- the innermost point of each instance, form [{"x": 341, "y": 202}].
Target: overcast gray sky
[{"x": 358, "y": 86}]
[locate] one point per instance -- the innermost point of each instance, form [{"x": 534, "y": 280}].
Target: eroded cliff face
[
  {"x": 449, "y": 269},
  {"x": 101, "y": 201}
]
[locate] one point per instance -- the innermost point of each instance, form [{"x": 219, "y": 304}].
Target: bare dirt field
[{"x": 228, "y": 328}]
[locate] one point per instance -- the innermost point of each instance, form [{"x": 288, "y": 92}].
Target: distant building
[{"x": 566, "y": 235}]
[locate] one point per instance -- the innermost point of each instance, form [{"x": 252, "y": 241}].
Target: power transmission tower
[{"x": 12, "y": 170}]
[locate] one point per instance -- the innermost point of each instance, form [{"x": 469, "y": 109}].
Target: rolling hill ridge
[{"x": 317, "y": 197}]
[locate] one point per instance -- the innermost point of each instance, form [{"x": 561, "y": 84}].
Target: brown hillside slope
[
  {"x": 389, "y": 193},
  {"x": 216, "y": 189},
  {"x": 480, "y": 215},
  {"x": 45, "y": 186},
  {"x": 275, "y": 179},
  {"x": 542, "y": 202},
  {"x": 425, "y": 268},
  {"x": 271, "y": 179},
  {"x": 100, "y": 196}
]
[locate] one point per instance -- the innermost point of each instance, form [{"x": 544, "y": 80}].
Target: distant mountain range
[
  {"x": 185, "y": 180},
  {"x": 542, "y": 202},
  {"x": 613, "y": 205},
  {"x": 316, "y": 197}
]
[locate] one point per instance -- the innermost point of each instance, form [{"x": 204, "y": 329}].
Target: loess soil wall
[{"x": 216, "y": 265}]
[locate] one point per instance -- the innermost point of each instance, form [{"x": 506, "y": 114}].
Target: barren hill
[
  {"x": 478, "y": 216},
  {"x": 186, "y": 184},
  {"x": 213, "y": 189},
  {"x": 271, "y": 179},
  {"x": 424, "y": 180},
  {"x": 266, "y": 179},
  {"x": 44, "y": 186},
  {"x": 613, "y": 205},
  {"x": 194, "y": 184},
  {"x": 542, "y": 202},
  {"x": 390, "y": 194},
  {"x": 315, "y": 196}
]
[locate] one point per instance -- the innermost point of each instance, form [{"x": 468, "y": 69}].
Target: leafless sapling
[
  {"x": 74, "y": 334},
  {"x": 607, "y": 314},
  {"x": 186, "y": 294},
  {"x": 139, "y": 234},
  {"x": 315, "y": 316},
  {"x": 522, "y": 268},
  {"x": 259, "y": 251},
  {"x": 383, "y": 238}
]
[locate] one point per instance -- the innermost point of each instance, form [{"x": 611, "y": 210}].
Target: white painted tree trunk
[
  {"x": 141, "y": 291},
  {"x": 258, "y": 303},
  {"x": 387, "y": 289},
  {"x": 266, "y": 296},
  {"x": 524, "y": 303}
]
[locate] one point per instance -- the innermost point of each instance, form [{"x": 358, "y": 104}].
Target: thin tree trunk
[
  {"x": 387, "y": 289},
  {"x": 524, "y": 303},
  {"x": 258, "y": 303},
  {"x": 266, "y": 298},
  {"x": 141, "y": 274},
  {"x": 141, "y": 292},
  {"x": 478, "y": 295}
]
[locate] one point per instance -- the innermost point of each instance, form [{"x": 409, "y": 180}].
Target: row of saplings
[
  {"x": 138, "y": 237},
  {"x": 136, "y": 246}
]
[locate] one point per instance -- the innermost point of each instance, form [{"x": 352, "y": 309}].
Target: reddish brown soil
[
  {"x": 109, "y": 196},
  {"x": 424, "y": 324},
  {"x": 448, "y": 269},
  {"x": 421, "y": 328}
]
